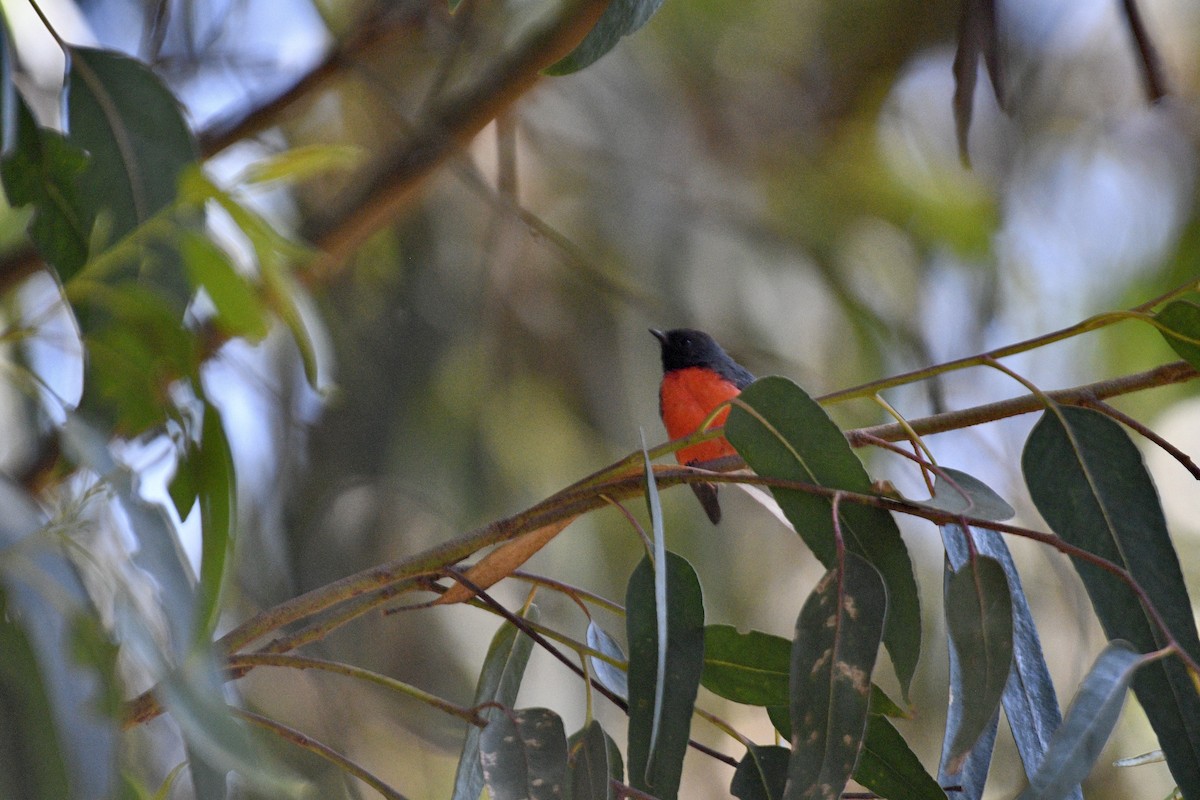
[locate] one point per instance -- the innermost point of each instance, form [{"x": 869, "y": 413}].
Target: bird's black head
[{"x": 685, "y": 347}]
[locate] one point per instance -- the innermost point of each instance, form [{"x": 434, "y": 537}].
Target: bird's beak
[{"x": 662, "y": 337}]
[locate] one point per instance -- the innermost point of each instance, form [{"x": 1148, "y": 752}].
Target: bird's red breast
[{"x": 686, "y": 398}]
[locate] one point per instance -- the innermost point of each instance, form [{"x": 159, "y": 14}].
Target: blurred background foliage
[{"x": 781, "y": 173}]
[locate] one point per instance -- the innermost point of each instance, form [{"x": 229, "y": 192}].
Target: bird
[{"x": 698, "y": 376}]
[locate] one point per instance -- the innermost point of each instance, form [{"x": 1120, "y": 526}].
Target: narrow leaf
[
  {"x": 305, "y": 162},
  {"x": 1090, "y": 719},
  {"x": 833, "y": 655},
  {"x": 524, "y": 755},
  {"x": 501, "y": 562},
  {"x": 31, "y": 761},
  {"x": 761, "y": 774},
  {"x": 594, "y": 761},
  {"x": 217, "y": 492},
  {"x": 1089, "y": 483},
  {"x": 658, "y": 540},
  {"x": 8, "y": 93},
  {"x": 980, "y": 623},
  {"x": 1030, "y": 703},
  {"x": 1182, "y": 317},
  {"x": 976, "y": 36},
  {"x": 750, "y": 668},
  {"x": 889, "y": 768},
  {"x": 783, "y": 433},
  {"x": 133, "y": 128},
  {"x": 613, "y": 678},
  {"x": 499, "y": 681},
  {"x": 237, "y": 300},
  {"x": 621, "y": 18},
  {"x": 658, "y": 771}
]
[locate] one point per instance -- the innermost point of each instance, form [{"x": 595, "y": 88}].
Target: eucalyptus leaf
[
  {"x": 499, "y": 682},
  {"x": 781, "y": 432},
  {"x": 833, "y": 655},
  {"x": 1089, "y": 482},
  {"x": 656, "y": 762}
]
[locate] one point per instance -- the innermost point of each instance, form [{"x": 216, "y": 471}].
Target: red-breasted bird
[{"x": 698, "y": 375}]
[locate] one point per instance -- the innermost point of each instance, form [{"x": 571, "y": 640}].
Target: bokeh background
[{"x": 781, "y": 173}]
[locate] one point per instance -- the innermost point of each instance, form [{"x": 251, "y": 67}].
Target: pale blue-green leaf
[
  {"x": 1030, "y": 702},
  {"x": 611, "y": 677},
  {"x": 654, "y": 506},
  {"x": 70, "y": 743},
  {"x": 1088, "y": 723}
]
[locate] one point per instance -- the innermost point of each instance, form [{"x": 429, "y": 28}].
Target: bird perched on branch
[{"x": 698, "y": 376}]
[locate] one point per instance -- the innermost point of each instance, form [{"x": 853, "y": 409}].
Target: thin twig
[
  {"x": 1183, "y": 458},
  {"x": 306, "y": 742}
]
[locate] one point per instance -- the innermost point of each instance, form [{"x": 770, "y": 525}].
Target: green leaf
[
  {"x": 237, "y": 300},
  {"x": 1182, "y": 317},
  {"x": 750, "y": 668},
  {"x": 499, "y": 681},
  {"x": 217, "y": 492},
  {"x": 275, "y": 254},
  {"x": 783, "y": 433},
  {"x": 1089, "y": 483},
  {"x": 761, "y": 774},
  {"x": 1091, "y": 718},
  {"x": 523, "y": 755},
  {"x": 661, "y": 606},
  {"x": 621, "y": 18},
  {"x": 833, "y": 655},
  {"x": 302, "y": 163},
  {"x": 133, "y": 128},
  {"x": 884, "y": 706},
  {"x": 42, "y": 171},
  {"x": 612, "y": 678},
  {"x": 657, "y": 770},
  {"x": 136, "y": 350},
  {"x": 889, "y": 768},
  {"x": 879, "y": 704},
  {"x": 31, "y": 762},
  {"x": 593, "y": 760},
  {"x": 980, "y": 623},
  {"x": 959, "y": 493}
]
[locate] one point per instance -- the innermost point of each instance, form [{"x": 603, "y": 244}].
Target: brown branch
[
  {"x": 452, "y": 123},
  {"x": 618, "y": 482},
  {"x": 306, "y": 742},
  {"x": 1175, "y": 372}
]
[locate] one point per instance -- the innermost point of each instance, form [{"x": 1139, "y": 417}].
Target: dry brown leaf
[{"x": 501, "y": 562}]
